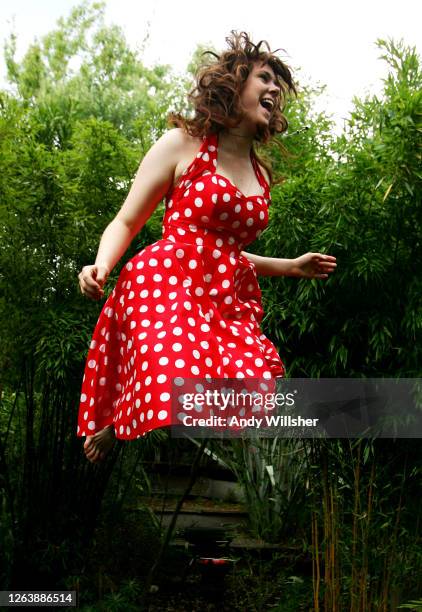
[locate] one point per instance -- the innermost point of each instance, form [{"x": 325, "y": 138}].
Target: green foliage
[
  {"x": 79, "y": 113},
  {"x": 363, "y": 496},
  {"x": 361, "y": 203},
  {"x": 271, "y": 474},
  {"x": 415, "y": 605}
]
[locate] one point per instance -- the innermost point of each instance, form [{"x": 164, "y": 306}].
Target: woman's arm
[
  {"x": 152, "y": 181},
  {"x": 269, "y": 266},
  {"x": 309, "y": 265}
]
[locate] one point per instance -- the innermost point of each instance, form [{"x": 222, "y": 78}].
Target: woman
[{"x": 189, "y": 305}]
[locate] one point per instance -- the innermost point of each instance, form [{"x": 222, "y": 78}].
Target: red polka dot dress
[{"x": 188, "y": 305}]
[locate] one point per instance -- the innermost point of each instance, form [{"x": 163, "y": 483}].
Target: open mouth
[{"x": 267, "y": 103}]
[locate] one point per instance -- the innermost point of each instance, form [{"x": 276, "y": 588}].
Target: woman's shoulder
[
  {"x": 179, "y": 138},
  {"x": 184, "y": 146},
  {"x": 176, "y": 146}
]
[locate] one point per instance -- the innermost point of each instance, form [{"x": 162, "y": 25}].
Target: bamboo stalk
[
  {"x": 354, "y": 597},
  {"x": 316, "y": 572}
]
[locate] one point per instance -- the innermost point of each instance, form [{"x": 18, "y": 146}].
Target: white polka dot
[
  {"x": 199, "y": 186},
  {"x": 162, "y": 415}
]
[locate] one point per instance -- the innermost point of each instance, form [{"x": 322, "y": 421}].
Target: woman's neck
[{"x": 236, "y": 141}]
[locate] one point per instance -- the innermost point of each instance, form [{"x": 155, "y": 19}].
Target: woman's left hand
[{"x": 313, "y": 265}]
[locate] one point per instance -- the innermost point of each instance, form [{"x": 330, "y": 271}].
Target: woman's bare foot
[{"x": 97, "y": 446}]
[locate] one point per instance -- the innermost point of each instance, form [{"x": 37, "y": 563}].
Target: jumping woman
[{"x": 189, "y": 305}]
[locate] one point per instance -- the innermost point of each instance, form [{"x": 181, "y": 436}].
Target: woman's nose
[{"x": 274, "y": 88}]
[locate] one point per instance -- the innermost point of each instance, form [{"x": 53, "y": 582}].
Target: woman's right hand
[{"x": 92, "y": 279}]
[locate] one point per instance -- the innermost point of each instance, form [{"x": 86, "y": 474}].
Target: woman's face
[{"x": 259, "y": 96}]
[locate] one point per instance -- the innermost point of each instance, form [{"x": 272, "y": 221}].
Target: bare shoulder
[
  {"x": 180, "y": 140},
  {"x": 186, "y": 149}
]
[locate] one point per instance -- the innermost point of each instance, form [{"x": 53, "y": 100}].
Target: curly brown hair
[{"x": 216, "y": 96}]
